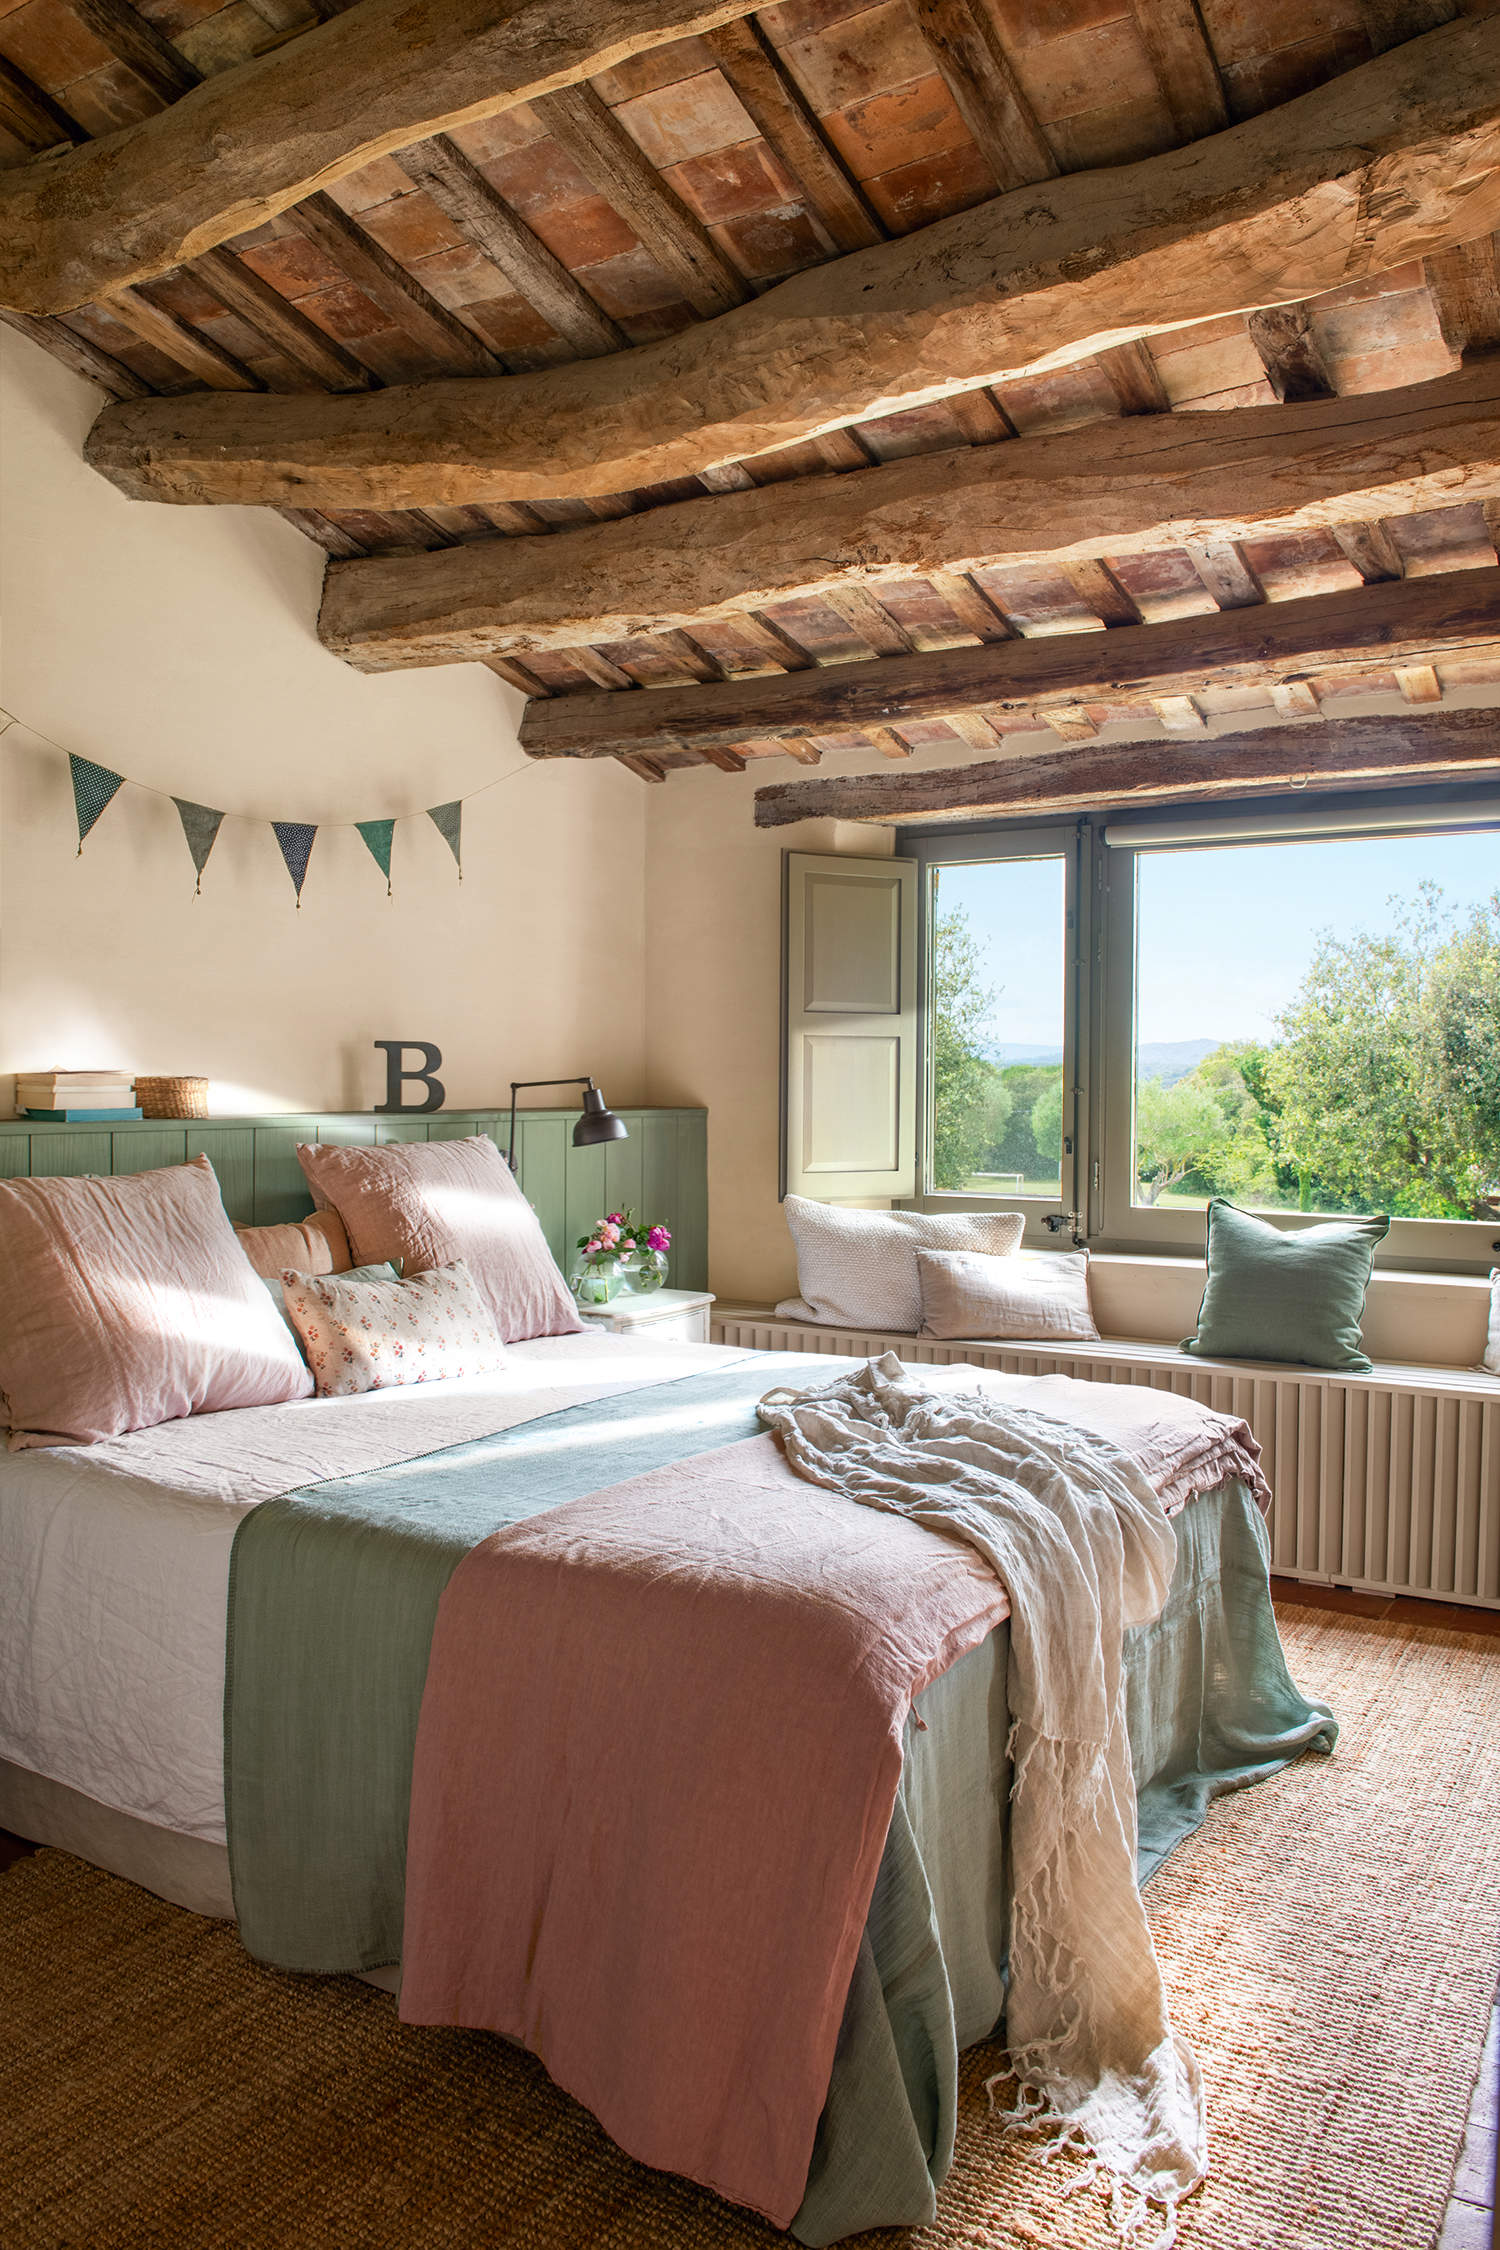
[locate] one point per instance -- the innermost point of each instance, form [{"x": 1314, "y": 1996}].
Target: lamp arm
[{"x": 524, "y": 1085}]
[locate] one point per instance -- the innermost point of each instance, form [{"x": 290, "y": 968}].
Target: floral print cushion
[{"x": 369, "y": 1335}]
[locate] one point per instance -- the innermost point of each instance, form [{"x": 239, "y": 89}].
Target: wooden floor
[{"x": 1472, "y": 2222}]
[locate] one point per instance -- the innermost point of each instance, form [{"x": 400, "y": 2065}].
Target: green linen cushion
[{"x": 1285, "y": 1296}]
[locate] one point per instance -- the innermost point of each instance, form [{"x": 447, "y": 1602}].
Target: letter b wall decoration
[{"x": 397, "y": 1074}]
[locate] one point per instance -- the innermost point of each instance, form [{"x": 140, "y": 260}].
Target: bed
[{"x": 115, "y": 1592}]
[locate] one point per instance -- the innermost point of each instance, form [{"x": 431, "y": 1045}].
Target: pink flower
[
  {"x": 659, "y": 1239},
  {"x": 628, "y": 1243},
  {"x": 616, "y": 1219}
]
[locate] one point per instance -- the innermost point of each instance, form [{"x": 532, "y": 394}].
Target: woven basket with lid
[{"x": 172, "y": 1097}]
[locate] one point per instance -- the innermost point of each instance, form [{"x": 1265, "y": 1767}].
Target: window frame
[
  {"x": 1100, "y": 995},
  {"x": 1067, "y": 840}
]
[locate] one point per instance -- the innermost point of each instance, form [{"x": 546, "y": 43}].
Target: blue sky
[{"x": 1225, "y": 935}]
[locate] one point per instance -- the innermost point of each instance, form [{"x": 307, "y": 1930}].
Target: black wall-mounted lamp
[{"x": 596, "y": 1122}]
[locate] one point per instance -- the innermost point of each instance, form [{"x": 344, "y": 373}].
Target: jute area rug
[{"x": 1329, "y": 1941}]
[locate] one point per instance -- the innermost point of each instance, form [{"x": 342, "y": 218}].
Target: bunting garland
[
  {"x": 296, "y": 838},
  {"x": 448, "y": 821},
  {"x": 379, "y": 835},
  {"x": 200, "y": 825},
  {"x": 95, "y": 788}
]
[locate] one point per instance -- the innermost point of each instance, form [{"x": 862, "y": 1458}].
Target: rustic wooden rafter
[
  {"x": 400, "y": 296},
  {"x": 1398, "y": 158},
  {"x": 1290, "y": 353},
  {"x": 79, "y": 356},
  {"x": 135, "y": 41},
  {"x": 251, "y": 141},
  {"x": 1114, "y": 488},
  {"x": 31, "y": 114},
  {"x": 198, "y": 354},
  {"x": 486, "y": 220},
  {"x": 1343, "y": 754},
  {"x": 320, "y": 358},
  {"x": 677, "y": 239},
  {"x": 987, "y": 94},
  {"x": 787, "y": 125},
  {"x": 1413, "y": 621},
  {"x": 1186, "y": 71}
]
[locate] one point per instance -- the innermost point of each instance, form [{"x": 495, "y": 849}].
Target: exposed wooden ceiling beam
[
  {"x": 787, "y": 125},
  {"x": 483, "y": 217},
  {"x": 136, "y": 42},
  {"x": 676, "y": 238},
  {"x": 1116, "y": 488},
  {"x": 1398, "y": 158},
  {"x": 185, "y": 345},
  {"x": 244, "y": 291},
  {"x": 986, "y": 92},
  {"x": 1417, "y": 621},
  {"x": 400, "y": 296},
  {"x": 29, "y": 113},
  {"x": 253, "y": 140},
  {"x": 1466, "y": 291},
  {"x": 1290, "y": 353},
  {"x": 1343, "y": 754},
  {"x": 80, "y": 356},
  {"x": 1186, "y": 72}
]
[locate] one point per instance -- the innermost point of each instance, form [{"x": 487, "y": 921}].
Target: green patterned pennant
[
  {"x": 296, "y": 838},
  {"x": 448, "y": 821},
  {"x": 378, "y": 835},
  {"x": 94, "y": 787},
  {"x": 200, "y": 825}
]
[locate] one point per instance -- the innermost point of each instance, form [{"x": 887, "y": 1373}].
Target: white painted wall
[{"x": 177, "y": 645}]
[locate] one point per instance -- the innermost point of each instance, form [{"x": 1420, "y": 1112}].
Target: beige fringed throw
[{"x": 1074, "y": 1530}]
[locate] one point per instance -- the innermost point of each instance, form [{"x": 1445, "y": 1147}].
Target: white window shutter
[{"x": 849, "y": 1119}]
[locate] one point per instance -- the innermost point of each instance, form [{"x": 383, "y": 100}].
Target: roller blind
[
  {"x": 1306, "y": 820},
  {"x": 849, "y": 1113}
]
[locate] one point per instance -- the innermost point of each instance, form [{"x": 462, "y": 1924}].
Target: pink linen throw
[{"x": 658, "y": 1754}]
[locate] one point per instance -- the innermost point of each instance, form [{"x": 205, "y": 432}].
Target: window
[{"x": 1294, "y": 1005}]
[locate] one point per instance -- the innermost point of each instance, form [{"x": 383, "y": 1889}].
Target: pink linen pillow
[
  {"x": 420, "y": 1204},
  {"x": 372, "y": 1335},
  {"x": 128, "y": 1302}
]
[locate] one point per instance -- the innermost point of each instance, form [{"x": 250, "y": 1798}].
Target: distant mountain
[{"x": 1166, "y": 1059}]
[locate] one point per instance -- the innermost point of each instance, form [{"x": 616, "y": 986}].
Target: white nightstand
[{"x": 680, "y": 1313}]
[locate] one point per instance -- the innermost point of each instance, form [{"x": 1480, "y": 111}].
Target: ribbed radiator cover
[{"x": 1389, "y": 1481}]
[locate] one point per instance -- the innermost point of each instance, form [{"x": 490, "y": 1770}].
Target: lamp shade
[{"x": 597, "y": 1123}]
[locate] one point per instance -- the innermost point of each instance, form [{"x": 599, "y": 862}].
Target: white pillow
[
  {"x": 858, "y": 1269},
  {"x": 1491, "y": 1361},
  {"x": 1041, "y": 1297}
]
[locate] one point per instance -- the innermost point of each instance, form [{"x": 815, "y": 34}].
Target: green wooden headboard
[{"x": 660, "y": 1172}]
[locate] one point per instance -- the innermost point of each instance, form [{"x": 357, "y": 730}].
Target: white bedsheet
[{"x": 114, "y": 1560}]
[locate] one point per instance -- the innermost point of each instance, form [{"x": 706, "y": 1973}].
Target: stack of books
[{"x": 77, "y": 1097}]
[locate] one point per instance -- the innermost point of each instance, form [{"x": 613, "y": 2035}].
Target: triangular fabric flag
[
  {"x": 378, "y": 835},
  {"x": 200, "y": 825},
  {"x": 296, "y": 838},
  {"x": 448, "y": 820},
  {"x": 93, "y": 789}
]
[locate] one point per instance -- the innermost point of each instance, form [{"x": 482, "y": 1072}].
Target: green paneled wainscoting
[{"x": 660, "y": 1172}]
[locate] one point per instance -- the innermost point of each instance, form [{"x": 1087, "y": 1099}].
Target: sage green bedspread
[{"x": 333, "y": 1594}]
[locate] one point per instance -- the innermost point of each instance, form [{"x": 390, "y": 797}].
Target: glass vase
[
  {"x": 598, "y": 1280},
  {"x": 646, "y": 1270}
]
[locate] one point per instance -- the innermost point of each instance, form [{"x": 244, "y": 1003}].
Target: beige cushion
[
  {"x": 858, "y": 1269},
  {"x": 372, "y": 1334},
  {"x": 318, "y": 1245},
  {"x": 421, "y": 1204},
  {"x": 128, "y": 1302},
  {"x": 1039, "y": 1297}
]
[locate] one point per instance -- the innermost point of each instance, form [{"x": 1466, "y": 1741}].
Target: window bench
[{"x": 1389, "y": 1481}]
